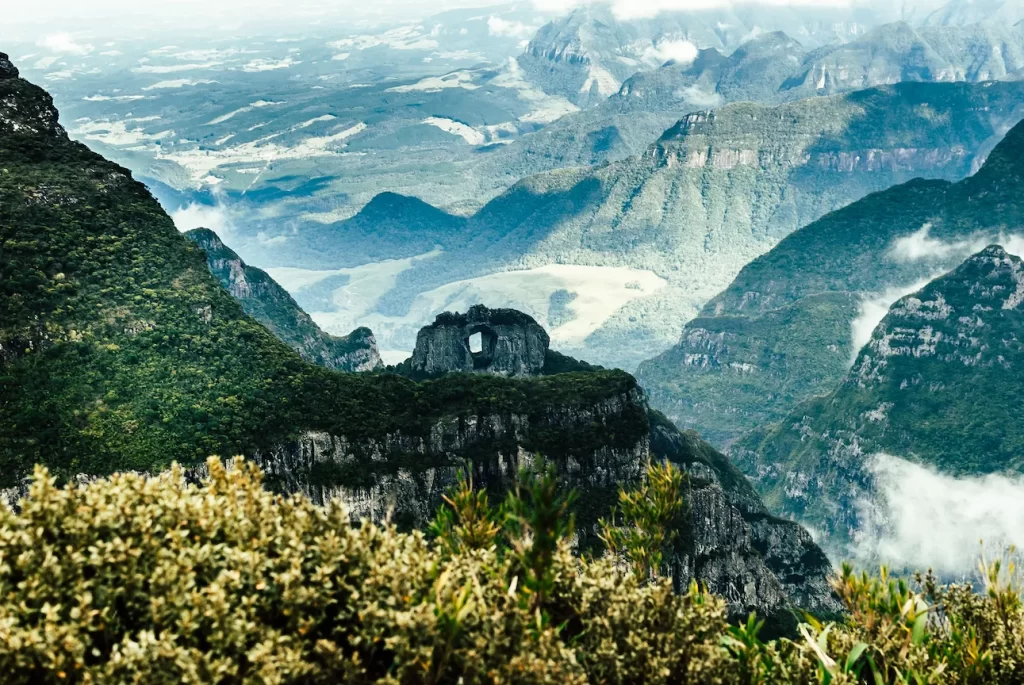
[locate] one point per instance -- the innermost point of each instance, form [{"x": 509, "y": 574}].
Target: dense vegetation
[
  {"x": 119, "y": 350},
  {"x": 938, "y": 382},
  {"x": 782, "y": 329},
  {"x": 133, "y": 580},
  {"x": 732, "y": 372}
]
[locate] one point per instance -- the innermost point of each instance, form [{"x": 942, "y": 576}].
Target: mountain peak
[
  {"x": 206, "y": 239},
  {"x": 775, "y": 40},
  {"x": 992, "y": 252},
  {"x": 1007, "y": 158},
  {"x": 25, "y": 109},
  {"x": 7, "y": 68}
]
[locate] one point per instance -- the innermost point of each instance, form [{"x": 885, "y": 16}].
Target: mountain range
[
  {"x": 663, "y": 231},
  {"x": 790, "y": 324},
  {"x": 120, "y": 350},
  {"x": 587, "y": 54}
]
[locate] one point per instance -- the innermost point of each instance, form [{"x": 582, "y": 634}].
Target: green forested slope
[
  {"x": 119, "y": 349},
  {"x": 939, "y": 382},
  {"x": 781, "y": 332},
  {"x": 266, "y": 301}
]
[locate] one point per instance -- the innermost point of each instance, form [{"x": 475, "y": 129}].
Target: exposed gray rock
[
  {"x": 266, "y": 301},
  {"x": 730, "y": 543},
  {"x": 7, "y": 69},
  {"x": 504, "y": 342}
]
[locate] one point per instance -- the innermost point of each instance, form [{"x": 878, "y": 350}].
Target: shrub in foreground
[{"x": 136, "y": 580}]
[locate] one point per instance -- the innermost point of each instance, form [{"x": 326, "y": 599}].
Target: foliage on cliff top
[
  {"x": 120, "y": 351},
  {"x": 153, "y": 580}
]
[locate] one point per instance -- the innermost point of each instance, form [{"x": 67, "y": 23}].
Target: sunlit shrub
[{"x": 153, "y": 580}]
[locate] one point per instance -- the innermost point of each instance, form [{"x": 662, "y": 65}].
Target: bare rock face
[
  {"x": 7, "y": 69},
  {"x": 503, "y": 342}
]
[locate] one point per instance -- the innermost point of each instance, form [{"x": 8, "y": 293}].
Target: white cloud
[
  {"x": 229, "y": 16},
  {"x": 921, "y": 518},
  {"x": 172, "y": 68},
  {"x": 217, "y": 218},
  {"x": 920, "y": 246},
  {"x": 114, "y": 98},
  {"x": 1014, "y": 244},
  {"x": 699, "y": 98},
  {"x": 64, "y": 44},
  {"x": 680, "y": 51},
  {"x": 506, "y": 28},
  {"x": 178, "y": 83},
  {"x": 642, "y": 9},
  {"x": 46, "y": 62},
  {"x": 257, "y": 65}
]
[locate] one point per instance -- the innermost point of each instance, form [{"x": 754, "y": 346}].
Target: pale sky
[{"x": 33, "y": 19}]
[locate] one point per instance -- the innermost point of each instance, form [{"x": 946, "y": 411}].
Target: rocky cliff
[
  {"x": 270, "y": 304},
  {"x": 791, "y": 323},
  {"x": 730, "y": 542},
  {"x": 499, "y": 341},
  {"x": 937, "y": 383}
]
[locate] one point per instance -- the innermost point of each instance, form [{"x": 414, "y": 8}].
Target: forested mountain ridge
[
  {"x": 784, "y": 328},
  {"x": 938, "y": 383},
  {"x": 263, "y": 299}
]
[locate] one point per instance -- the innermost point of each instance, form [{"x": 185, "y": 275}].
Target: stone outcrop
[
  {"x": 504, "y": 342},
  {"x": 7, "y": 68}
]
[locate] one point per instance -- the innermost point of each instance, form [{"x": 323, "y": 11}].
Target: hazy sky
[{"x": 108, "y": 16}]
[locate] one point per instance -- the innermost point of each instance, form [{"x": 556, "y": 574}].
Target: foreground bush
[
  {"x": 134, "y": 580},
  {"x": 154, "y": 581}
]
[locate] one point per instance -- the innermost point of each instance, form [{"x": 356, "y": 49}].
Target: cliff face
[
  {"x": 937, "y": 382},
  {"x": 730, "y": 542},
  {"x": 263, "y": 299}
]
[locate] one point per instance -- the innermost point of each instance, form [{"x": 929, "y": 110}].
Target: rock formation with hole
[{"x": 510, "y": 343}]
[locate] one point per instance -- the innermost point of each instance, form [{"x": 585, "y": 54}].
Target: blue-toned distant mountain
[
  {"x": 624, "y": 253},
  {"x": 588, "y": 54},
  {"x": 963, "y": 12}
]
